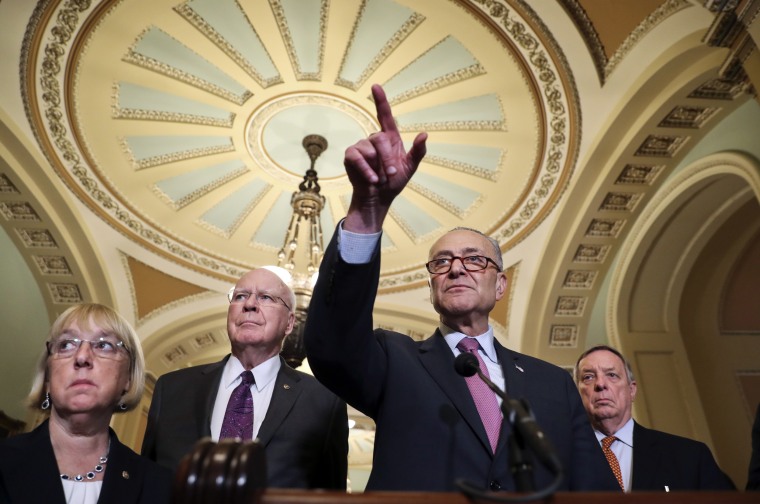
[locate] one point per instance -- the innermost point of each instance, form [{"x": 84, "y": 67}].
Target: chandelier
[{"x": 302, "y": 264}]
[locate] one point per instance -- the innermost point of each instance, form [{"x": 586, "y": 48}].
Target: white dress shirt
[
  {"x": 623, "y": 450},
  {"x": 82, "y": 492},
  {"x": 487, "y": 352},
  {"x": 264, "y": 376}
]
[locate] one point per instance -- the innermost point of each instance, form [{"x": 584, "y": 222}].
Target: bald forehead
[
  {"x": 460, "y": 242},
  {"x": 261, "y": 279}
]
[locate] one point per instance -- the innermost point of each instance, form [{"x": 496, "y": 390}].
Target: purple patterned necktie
[
  {"x": 238, "y": 419},
  {"x": 485, "y": 399}
]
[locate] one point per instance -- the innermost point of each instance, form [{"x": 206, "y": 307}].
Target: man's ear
[
  {"x": 291, "y": 323},
  {"x": 430, "y": 290},
  {"x": 501, "y": 285}
]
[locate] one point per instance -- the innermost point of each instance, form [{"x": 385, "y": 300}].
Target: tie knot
[
  {"x": 247, "y": 378},
  {"x": 607, "y": 442},
  {"x": 468, "y": 345}
]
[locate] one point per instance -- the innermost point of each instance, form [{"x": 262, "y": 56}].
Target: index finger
[{"x": 384, "y": 113}]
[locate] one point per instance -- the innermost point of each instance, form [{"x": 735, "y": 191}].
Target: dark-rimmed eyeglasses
[
  {"x": 470, "y": 263},
  {"x": 262, "y": 298},
  {"x": 105, "y": 348}
]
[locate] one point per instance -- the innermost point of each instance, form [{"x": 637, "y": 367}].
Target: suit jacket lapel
[
  {"x": 646, "y": 461},
  {"x": 438, "y": 360},
  {"x": 205, "y": 395},
  {"x": 287, "y": 388},
  {"x": 514, "y": 385},
  {"x": 123, "y": 479}
]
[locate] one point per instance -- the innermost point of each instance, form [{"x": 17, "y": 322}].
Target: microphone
[
  {"x": 518, "y": 413},
  {"x": 466, "y": 364}
]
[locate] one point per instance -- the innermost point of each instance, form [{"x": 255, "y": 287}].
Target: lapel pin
[
  {"x": 125, "y": 474},
  {"x": 519, "y": 368},
  {"x": 286, "y": 386}
]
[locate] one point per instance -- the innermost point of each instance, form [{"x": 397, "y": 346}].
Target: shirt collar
[
  {"x": 453, "y": 338},
  {"x": 624, "y": 434},
  {"x": 263, "y": 374}
]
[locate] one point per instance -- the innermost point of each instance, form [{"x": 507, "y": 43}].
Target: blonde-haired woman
[{"x": 92, "y": 366}]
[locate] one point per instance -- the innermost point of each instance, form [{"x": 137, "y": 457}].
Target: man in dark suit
[
  {"x": 302, "y": 425},
  {"x": 428, "y": 429},
  {"x": 647, "y": 459}
]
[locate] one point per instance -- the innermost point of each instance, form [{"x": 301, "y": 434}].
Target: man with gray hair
[
  {"x": 640, "y": 458},
  {"x": 253, "y": 394},
  {"x": 433, "y": 426}
]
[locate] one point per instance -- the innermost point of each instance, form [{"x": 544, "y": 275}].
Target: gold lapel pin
[
  {"x": 125, "y": 474},
  {"x": 286, "y": 386}
]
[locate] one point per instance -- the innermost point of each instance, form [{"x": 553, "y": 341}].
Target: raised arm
[{"x": 379, "y": 168}]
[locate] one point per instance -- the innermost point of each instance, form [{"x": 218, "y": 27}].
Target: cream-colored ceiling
[
  {"x": 150, "y": 149},
  {"x": 181, "y": 124}
]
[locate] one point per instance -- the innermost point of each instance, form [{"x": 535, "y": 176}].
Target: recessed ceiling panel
[{"x": 182, "y": 122}]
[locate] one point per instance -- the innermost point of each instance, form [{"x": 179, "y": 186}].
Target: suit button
[{"x": 495, "y": 486}]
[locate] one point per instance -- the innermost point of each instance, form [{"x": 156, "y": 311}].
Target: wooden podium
[
  {"x": 233, "y": 472},
  {"x": 275, "y": 496}
]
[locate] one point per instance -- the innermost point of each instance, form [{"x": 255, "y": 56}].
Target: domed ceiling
[
  {"x": 178, "y": 127},
  {"x": 183, "y": 127}
]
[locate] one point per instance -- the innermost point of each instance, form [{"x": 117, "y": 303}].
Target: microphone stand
[
  {"x": 523, "y": 429},
  {"x": 522, "y": 469}
]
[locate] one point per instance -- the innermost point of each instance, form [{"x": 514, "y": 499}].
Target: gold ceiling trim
[
  {"x": 492, "y": 175},
  {"x": 442, "y": 81},
  {"x": 562, "y": 116},
  {"x": 408, "y": 228},
  {"x": 443, "y": 202},
  {"x": 664, "y": 11},
  {"x": 401, "y": 34},
  {"x": 560, "y": 111},
  {"x": 605, "y": 66},
  {"x": 227, "y": 233},
  {"x": 159, "y": 67},
  {"x": 58, "y": 43},
  {"x": 261, "y": 116},
  {"x": 198, "y": 193},
  {"x": 557, "y": 87},
  {"x": 119, "y": 112},
  {"x": 287, "y": 37},
  {"x": 217, "y": 39},
  {"x": 590, "y": 35},
  {"x": 163, "y": 159}
]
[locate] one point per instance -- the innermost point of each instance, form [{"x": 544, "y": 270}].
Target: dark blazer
[
  {"x": 428, "y": 429},
  {"x": 29, "y": 473},
  {"x": 304, "y": 433},
  {"x": 753, "y": 474},
  {"x": 661, "y": 459}
]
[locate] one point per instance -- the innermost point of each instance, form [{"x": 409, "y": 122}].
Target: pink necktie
[
  {"x": 485, "y": 399},
  {"x": 238, "y": 419}
]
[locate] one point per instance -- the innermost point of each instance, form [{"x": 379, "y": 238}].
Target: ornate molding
[
  {"x": 218, "y": 40},
  {"x": 390, "y": 45},
  {"x": 287, "y": 37}
]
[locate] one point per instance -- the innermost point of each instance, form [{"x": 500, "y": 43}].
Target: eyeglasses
[
  {"x": 105, "y": 348},
  {"x": 470, "y": 263},
  {"x": 262, "y": 298}
]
